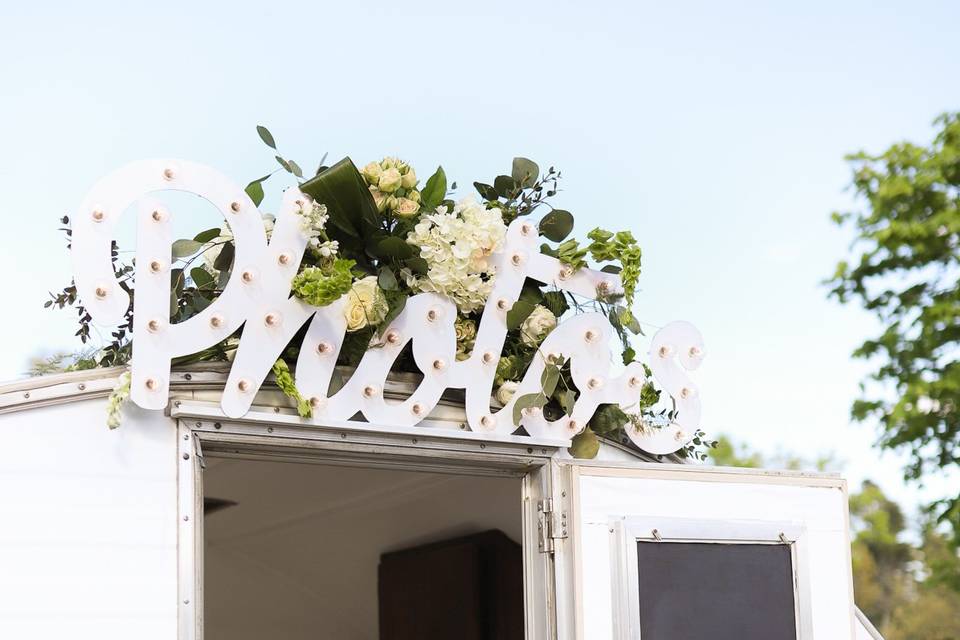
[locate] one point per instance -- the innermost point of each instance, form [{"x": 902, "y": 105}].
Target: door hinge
[{"x": 551, "y": 525}]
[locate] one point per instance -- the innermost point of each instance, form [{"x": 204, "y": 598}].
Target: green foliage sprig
[{"x": 907, "y": 274}]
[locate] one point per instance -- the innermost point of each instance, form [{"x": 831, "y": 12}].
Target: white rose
[
  {"x": 389, "y": 180},
  {"x": 379, "y": 198},
  {"x": 405, "y": 207},
  {"x": 537, "y": 325},
  {"x": 372, "y": 172},
  {"x": 506, "y": 391},
  {"x": 366, "y": 305},
  {"x": 409, "y": 180}
]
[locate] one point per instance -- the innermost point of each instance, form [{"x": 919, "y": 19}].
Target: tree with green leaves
[{"x": 907, "y": 273}]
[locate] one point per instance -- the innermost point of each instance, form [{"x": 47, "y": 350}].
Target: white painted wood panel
[
  {"x": 821, "y": 509},
  {"x": 88, "y": 542}
]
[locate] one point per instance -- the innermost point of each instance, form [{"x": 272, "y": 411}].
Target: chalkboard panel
[{"x": 697, "y": 591}]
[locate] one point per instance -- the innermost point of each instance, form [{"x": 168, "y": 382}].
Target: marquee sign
[{"x": 257, "y": 296}]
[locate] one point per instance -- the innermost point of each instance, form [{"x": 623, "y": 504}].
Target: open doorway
[{"x": 300, "y": 551}]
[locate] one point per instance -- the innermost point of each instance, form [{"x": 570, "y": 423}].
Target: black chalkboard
[{"x": 698, "y": 591}]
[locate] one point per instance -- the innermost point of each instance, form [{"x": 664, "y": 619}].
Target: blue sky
[{"x": 714, "y": 131}]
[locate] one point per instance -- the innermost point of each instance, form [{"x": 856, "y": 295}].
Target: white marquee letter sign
[{"x": 258, "y": 297}]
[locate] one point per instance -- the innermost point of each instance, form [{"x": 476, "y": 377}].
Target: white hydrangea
[{"x": 457, "y": 246}]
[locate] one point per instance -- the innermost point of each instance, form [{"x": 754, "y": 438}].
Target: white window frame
[
  {"x": 627, "y": 532},
  {"x": 265, "y": 434}
]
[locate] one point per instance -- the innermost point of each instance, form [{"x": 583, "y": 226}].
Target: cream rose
[
  {"x": 537, "y": 325},
  {"x": 366, "y": 305},
  {"x": 406, "y": 207},
  {"x": 506, "y": 391},
  {"x": 409, "y": 180},
  {"x": 389, "y": 180},
  {"x": 379, "y": 199},
  {"x": 372, "y": 172}
]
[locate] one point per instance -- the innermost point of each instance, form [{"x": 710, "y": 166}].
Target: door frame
[
  {"x": 268, "y": 434},
  {"x": 568, "y": 565}
]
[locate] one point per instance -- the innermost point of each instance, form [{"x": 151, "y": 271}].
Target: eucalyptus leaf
[
  {"x": 284, "y": 164},
  {"x": 386, "y": 279},
  {"x": 266, "y": 136},
  {"x": 206, "y": 236},
  {"x": 486, "y": 191},
  {"x": 567, "y": 399},
  {"x": 585, "y": 445},
  {"x": 417, "y": 265},
  {"x": 525, "y": 172},
  {"x": 549, "y": 379},
  {"x": 526, "y": 401},
  {"x": 184, "y": 248},
  {"x": 225, "y": 259},
  {"x": 255, "y": 191},
  {"x": 556, "y": 225},
  {"x": 201, "y": 277},
  {"x": 504, "y": 185},
  {"x": 295, "y": 168},
  {"x": 434, "y": 190},
  {"x": 393, "y": 247},
  {"x": 611, "y": 268}
]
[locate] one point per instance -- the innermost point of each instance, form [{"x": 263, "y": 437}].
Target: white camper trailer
[
  {"x": 390, "y": 504},
  {"x": 105, "y": 533}
]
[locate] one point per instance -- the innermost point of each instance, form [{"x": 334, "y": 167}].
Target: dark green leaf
[
  {"x": 531, "y": 293},
  {"x": 611, "y": 268},
  {"x": 556, "y": 302},
  {"x": 504, "y": 186},
  {"x": 255, "y": 191},
  {"x": 295, "y": 168},
  {"x": 353, "y": 213},
  {"x": 434, "y": 191},
  {"x": 391, "y": 247},
  {"x": 284, "y": 164},
  {"x": 486, "y": 191},
  {"x": 266, "y": 136},
  {"x": 567, "y": 399},
  {"x": 518, "y": 313},
  {"x": 556, "y": 225},
  {"x": 225, "y": 259},
  {"x": 417, "y": 265},
  {"x": 525, "y": 172},
  {"x": 608, "y": 418},
  {"x": 206, "y": 236},
  {"x": 184, "y": 248},
  {"x": 201, "y": 277}
]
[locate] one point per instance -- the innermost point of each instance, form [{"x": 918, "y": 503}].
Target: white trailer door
[{"x": 681, "y": 551}]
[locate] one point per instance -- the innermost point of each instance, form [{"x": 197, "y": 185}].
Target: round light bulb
[{"x": 273, "y": 319}]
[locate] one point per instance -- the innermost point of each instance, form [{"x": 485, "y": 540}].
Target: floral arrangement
[{"x": 379, "y": 235}]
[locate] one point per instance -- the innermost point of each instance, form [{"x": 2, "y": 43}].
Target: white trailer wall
[{"x": 88, "y": 524}]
